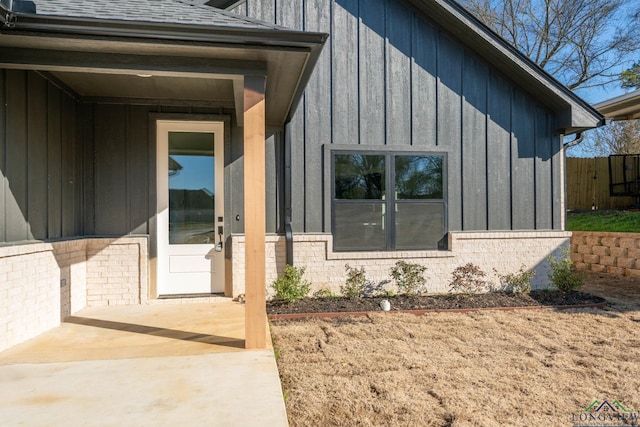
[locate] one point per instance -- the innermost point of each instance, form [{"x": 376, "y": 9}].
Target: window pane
[
  {"x": 191, "y": 188},
  {"x": 419, "y": 177},
  {"x": 419, "y": 225},
  {"x": 359, "y": 226},
  {"x": 359, "y": 176}
]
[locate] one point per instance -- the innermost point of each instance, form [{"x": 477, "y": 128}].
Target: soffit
[{"x": 624, "y": 107}]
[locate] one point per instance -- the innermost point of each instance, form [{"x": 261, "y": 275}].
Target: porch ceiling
[
  {"x": 183, "y": 74},
  {"x": 148, "y": 87}
]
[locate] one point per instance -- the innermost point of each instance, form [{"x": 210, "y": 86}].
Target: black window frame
[{"x": 389, "y": 200}]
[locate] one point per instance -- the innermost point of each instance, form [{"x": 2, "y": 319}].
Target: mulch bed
[{"x": 435, "y": 302}]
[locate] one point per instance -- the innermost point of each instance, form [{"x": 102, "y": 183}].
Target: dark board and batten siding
[
  {"x": 72, "y": 169},
  {"x": 41, "y": 186},
  {"x": 120, "y": 169},
  {"x": 389, "y": 76}
]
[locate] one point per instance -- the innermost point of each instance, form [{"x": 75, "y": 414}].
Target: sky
[
  {"x": 196, "y": 173},
  {"x": 598, "y": 94},
  {"x": 595, "y": 96}
]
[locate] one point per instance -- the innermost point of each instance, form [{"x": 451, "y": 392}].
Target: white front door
[{"x": 190, "y": 214}]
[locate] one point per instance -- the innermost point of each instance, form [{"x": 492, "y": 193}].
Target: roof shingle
[{"x": 186, "y": 12}]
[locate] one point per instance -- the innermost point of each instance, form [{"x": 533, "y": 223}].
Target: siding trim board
[{"x": 3, "y": 153}]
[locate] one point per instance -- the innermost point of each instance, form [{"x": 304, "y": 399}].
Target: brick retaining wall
[{"x": 615, "y": 253}]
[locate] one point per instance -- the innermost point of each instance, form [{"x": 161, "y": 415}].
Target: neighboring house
[
  {"x": 421, "y": 136},
  {"x": 623, "y": 107}
]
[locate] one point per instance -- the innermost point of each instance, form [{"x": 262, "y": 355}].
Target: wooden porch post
[{"x": 254, "y": 213}]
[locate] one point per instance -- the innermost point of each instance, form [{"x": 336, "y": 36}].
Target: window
[{"x": 368, "y": 217}]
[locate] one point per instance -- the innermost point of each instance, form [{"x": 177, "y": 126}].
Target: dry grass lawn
[{"x": 533, "y": 368}]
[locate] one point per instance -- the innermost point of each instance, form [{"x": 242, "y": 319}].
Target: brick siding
[
  {"x": 41, "y": 283},
  {"x": 505, "y": 252}
]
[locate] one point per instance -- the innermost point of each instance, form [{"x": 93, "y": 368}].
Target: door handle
[{"x": 220, "y": 234}]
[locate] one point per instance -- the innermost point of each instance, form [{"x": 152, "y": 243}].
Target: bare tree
[
  {"x": 618, "y": 138},
  {"x": 580, "y": 42}
]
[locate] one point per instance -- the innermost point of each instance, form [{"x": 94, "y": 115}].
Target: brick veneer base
[
  {"x": 505, "y": 252},
  {"x": 41, "y": 283},
  {"x": 615, "y": 253}
]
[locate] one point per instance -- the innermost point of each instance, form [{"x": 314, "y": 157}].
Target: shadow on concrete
[{"x": 157, "y": 331}]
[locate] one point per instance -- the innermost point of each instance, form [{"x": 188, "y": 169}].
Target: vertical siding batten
[
  {"x": 398, "y": 75},
  {"x": 473, "y": 151},
  {"x": 88, "y": 172},
  {"x": 461, "y": 147},
  {"x": 486, "y": 148},
  {"x": 318, "y": 116},
  {"x": 138, "y": 170},
  {"x": 37, "y": 156},
  {"x": 372, "y": 98},
  {"x": 270, "y": 182},
  {"x": 68, "y": 129},
  {"x": 291, "y": 14},
  {"x": 3, "y": 148},
  {"x": 127, "y": 168},
  {"x": 16, "y": 152},
  {"x": 423, "y": 85},
  {"x": 54, "y": 154},
  {"x": 544, "y": 197},
  {"x": 557, "y": 185},
  {"x": 523, "y": 160},
  {"x": 498, "y": 153},
  {"x": 344, "y": 88},
  {"x": 449, "y": 122},
  {"x": 110, "y": 146}
]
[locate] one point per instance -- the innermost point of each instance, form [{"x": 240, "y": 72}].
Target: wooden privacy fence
[{"x": 588, "y": 185}]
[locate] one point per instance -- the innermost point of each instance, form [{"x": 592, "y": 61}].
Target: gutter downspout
[
  {"x": 580, "y": 137},
  {"x": 288, "y": 225},
  {"x": 577, "y": 140}
]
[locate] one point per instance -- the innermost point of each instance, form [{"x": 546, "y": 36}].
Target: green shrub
[
  {"x": 562, "y": 275},
  {"x": 356, "y": 282},
  {"x": 290, "y": 286},
  {"x": 324, "y": 293},
  {"x": 409, "y": 277},
  {"x": 468, "y": 279},
  {"x": 519, "y": 282}
]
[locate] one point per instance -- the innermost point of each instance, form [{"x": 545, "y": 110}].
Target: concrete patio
[{"x": 153, "y": 365}]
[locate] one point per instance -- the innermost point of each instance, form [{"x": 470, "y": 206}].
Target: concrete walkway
[{"x": 159, "y": 365}]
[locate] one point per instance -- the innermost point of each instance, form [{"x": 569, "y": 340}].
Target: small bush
[
  {"x": 324, "y": 293},
  {"x": 290, "y": 286},
  {"x": 519, "y": 282},
  {"x": 562, "y": 276},
  {"x": 409, "y": 277},
  {"x": 356, "y": 282},
  {"x": 468, "y": 279}
]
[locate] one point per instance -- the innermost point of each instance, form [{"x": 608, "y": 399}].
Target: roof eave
[
  {"x": 16, "y": 22},
  {"x": 623, "y": 107}
]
